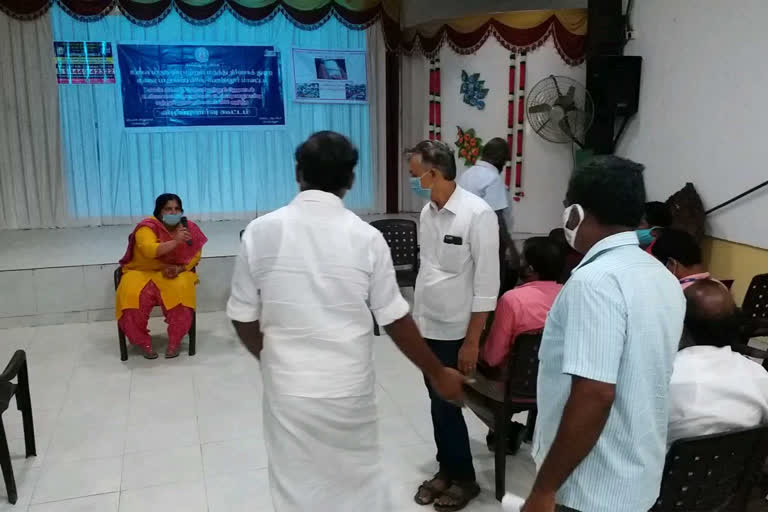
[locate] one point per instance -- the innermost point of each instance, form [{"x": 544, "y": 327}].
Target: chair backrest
[
  {"x": 712, "y": 472},
  {"x": 755, "y": 303},
  {"x": 523, "y": 365},
  {"x": 402, "y": 237},
  {"x": 118, "y": 276}
]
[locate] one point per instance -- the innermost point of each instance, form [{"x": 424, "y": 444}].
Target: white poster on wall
[{"x": 329, "y": 76}]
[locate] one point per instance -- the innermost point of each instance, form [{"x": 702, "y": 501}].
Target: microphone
[{"x": 185, "y": 224}]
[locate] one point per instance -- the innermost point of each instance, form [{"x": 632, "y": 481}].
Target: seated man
[
  {"x": 525, "y": 308},
  {"x": 714, "y": 389},
  {"x": 681, "y": 254},
  {"x": 521, "y": 310},
  {"x": 572, "y": 256},
  {"x": 655, "y": 220}
]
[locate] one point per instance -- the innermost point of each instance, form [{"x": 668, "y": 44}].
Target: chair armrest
[{"x": 16, "y": 363}]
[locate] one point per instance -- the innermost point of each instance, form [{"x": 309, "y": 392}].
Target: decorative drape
[
  {"x": 32, "y": 182},
  {"x": 435, "y": 108},
  {"x": 307, "y": 14},
  {"x": 516, "y": 120},
  {"x": 519, "y": 32},
  {"x": 414, "y": 121}
]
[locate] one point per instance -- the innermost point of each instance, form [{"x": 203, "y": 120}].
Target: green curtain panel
[{"x": 306, "y": 14}]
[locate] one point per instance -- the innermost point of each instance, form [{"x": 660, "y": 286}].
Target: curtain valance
[
  {"x": 306, "y": 14},
  {"x": 518, "y": 31}
]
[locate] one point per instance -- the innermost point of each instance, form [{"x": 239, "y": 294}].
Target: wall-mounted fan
[{"x": 560, "y": 109}]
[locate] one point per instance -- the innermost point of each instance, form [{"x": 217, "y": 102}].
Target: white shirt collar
[
  {"x": 608, "y": 243},
  {"x": 452, "y": 205},
  {"x": 318, "y": 196}
]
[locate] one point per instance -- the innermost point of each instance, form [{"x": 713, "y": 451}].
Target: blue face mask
[
  {"x": 645, "y": 236},
  {"x": 420, "y": 191},
  {"x": 172, "y": 219}
]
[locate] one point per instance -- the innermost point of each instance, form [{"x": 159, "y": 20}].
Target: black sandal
[
  {"x": 429, "y": 491},
  {"x": 460, "y": 494}
]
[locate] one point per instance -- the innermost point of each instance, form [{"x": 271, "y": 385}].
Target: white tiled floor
[{"x": 185, "y": 434}]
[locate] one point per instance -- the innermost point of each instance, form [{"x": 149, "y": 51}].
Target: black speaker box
[{"x": 614, "y": 82}]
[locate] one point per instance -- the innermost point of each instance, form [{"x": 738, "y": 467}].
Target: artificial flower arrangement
[{"x": 469, "y": 145}]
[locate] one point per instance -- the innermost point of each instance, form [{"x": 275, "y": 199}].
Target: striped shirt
[{"x": 617, "y": 320}]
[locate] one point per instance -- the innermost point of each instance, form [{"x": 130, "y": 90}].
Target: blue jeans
[{"x": 451, "y": 437}]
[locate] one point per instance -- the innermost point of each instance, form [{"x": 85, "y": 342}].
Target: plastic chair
[
  {"x": 712, "y": 473},
  {"x": 755, "y": 308},
  {"x": 402, "y": 237},
  {"x": 121, "y": 335},
  {"x": 16, "y": 369},
  {"x": 496, "y": 401}
]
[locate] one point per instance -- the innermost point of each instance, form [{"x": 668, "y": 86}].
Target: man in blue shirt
[{"x": 606, "y": 356}]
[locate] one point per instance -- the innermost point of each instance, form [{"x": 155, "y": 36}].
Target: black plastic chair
[
  {"x": 402, "y": 237},
  {"x": 16, "y": 369},
  {"x": 496, "y": 401},
  {"x": 712, "y": 473},
  {"x": 755, "y": 308},
  {"x": 121, "y": 335}
]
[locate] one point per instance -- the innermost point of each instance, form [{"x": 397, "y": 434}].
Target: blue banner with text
[{"x": 176, "y": 86}]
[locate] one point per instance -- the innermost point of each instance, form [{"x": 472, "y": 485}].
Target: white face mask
[{"x": 570, "y": 233}]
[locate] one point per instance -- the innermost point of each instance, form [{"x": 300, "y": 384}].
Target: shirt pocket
[{"x": 452, "y": 257}]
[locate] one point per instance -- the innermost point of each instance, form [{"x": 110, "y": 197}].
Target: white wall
[
  {"x": 420, "y": 11},
  {"x": 702, "y": 107},
  {"x": 546, "y": 166}
]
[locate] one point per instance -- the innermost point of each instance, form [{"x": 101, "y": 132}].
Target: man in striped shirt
[{"x": 607, "y": 354}]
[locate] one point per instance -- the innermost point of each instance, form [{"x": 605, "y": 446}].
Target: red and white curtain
[
  {"x": 435, "y": 108},
  {"x": 516, "y": 122}
]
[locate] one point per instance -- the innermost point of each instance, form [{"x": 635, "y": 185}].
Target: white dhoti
[{"x": 324, "y": 454}]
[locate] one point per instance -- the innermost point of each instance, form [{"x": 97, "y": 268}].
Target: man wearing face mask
[
  {"x": 457, "y": 287},
  {"x": 606, "y": 356}
]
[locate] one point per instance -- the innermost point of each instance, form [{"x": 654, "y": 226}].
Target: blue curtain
[{"x": 114, "y": 175}]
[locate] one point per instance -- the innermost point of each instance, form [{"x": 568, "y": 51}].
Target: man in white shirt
[
  {"x": 305, "y": 283},
  {"x": 457, "y": 286},
  {"x": 484, "y": 180},
  {"x": 713, "y": 388}
]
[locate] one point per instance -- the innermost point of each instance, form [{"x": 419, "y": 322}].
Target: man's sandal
[
  {"x": 430, "y": 490},
  {"x": 457, "y": 496}
]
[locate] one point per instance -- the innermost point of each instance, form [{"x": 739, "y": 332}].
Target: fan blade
[
  {"x": 571, "y": 92},
  {"x": 557, "y": 86},
  {"x": 565, "y": 126},
  {"x": 540, "y": 108}
]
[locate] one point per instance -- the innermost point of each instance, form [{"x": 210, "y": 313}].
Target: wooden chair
[
  {"x": 712, "y": 473},
  {"x": 16, "y": 369},
  {"x": 121, "y": 335},
  {"x": 495, "y": 402},
  {"x": 402, "y": 237}
]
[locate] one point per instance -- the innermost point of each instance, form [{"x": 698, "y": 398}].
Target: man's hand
[
  {"x": 539, "y": 502},
  {"x": 182, "y": 235},
  {"x": 449, "y": 384},
  {"x": 468, "y": 354}
]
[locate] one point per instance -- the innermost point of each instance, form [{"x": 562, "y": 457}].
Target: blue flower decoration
[{"x": 473, "y": 89}]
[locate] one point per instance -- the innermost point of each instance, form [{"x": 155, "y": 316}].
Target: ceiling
[{"x": 420, "y": 11}]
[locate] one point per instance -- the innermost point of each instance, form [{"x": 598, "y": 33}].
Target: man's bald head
[{"x": 710, "y": 317}]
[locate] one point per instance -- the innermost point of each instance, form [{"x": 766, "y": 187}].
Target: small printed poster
[
  {"x": 84, "y": 62},
  {"x": 330, "y": 76}
]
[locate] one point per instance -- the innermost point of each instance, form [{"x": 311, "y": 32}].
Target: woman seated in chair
[{"x": 159, "y": 270}]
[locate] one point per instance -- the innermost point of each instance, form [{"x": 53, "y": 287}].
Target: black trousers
[{"x": 451, "y": 436}]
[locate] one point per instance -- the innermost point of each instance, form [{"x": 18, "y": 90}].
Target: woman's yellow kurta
[{"x": 145, "y": 267}]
